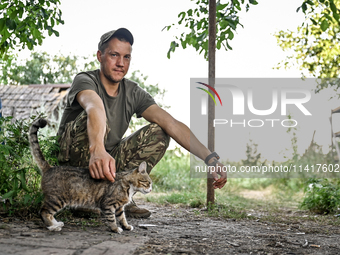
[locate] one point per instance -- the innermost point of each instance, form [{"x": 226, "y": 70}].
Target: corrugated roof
[{"x": 22, "y": 101}]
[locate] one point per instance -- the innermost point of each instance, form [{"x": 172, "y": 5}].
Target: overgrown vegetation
[
  {"x": 322, "y": 196},
  {"x": 19, "y": 176}
]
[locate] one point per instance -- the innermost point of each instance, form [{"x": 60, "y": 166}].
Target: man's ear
[{"x": 99, "y": 56}]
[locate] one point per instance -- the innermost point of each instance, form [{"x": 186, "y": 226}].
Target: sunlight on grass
[{"x": 173, "y": 185}]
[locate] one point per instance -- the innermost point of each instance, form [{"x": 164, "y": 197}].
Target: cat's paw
[
  {"x": 117, "y": 230},
  {"x": 55, "y": 228},
  {"x": 60, "y": 224},
  {"x": 129, "y": 227}
]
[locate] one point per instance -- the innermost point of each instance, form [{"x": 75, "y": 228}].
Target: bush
[
  {"x": 322, "y": 196},
  {"x": 19, "y": 176}
]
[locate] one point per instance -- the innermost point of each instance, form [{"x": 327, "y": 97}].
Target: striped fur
[{"x": 72, "y": 186}]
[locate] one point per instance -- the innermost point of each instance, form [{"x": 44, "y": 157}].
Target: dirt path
[{"x": 173, "y": 230}]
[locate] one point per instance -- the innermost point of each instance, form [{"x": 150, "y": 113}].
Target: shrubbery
[
  {"x": 19, "y": 176},
  {"x": 322, "y": 196}
]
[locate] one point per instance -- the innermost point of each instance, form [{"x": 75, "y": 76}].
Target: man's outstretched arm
[
  {"x": 182, "y": 135},
  {"x": 101, "y": 165}
]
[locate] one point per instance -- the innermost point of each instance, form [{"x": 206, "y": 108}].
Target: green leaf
[
  {"x": 23, "y": 180},
  {"x": 253, "y": 2},
  {"x": 184, "y": 44},
  {"x": 5, "y": 35},
  {"x": 36, "y": 33},
  {"x": 328, "y": 17},
  {"x": 231, "y": 34},
  {"x": 11, "y": 24},
  {"x": 8, "y": 194},
  {"x": 14, "y": 14},
  {"x": 333, "y": 7},
  {"x": 3, "y": 6},
  {"x": 324, "y": 25},
  {"x": 183, "y": 16},
  {"x": 189, "y": 12},
  {"x": 313, "y": 21},
  {"x": 218, "y": 45},
  {"x": 223, "y": 24},
  {"x": 2, "y": 23},
  {"x": 229, "y": 47},
  {"x": 336, "y": 17},
  {"x": 220, "y": 7},
  {"x": 21, "y": 11},
  {"x": 173, "y": 46},
  {"x": 52, "y": 22},
  {"x": 199, "y": 24}
]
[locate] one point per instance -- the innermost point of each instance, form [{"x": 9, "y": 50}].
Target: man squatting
[{"x": 99, "y": 107}]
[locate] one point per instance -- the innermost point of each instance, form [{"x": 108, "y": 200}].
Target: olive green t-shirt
[{"x": 130, "y": 100}]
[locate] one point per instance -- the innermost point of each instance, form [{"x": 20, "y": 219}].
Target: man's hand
[
  {"x": 102, "y": 165},
  {"x": 219, "y": 182}
]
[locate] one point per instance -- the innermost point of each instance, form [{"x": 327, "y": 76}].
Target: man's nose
[{"x": 120, "y": 61}]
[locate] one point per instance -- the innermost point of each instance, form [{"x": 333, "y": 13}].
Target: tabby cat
[{"x": 72, "y": 186}]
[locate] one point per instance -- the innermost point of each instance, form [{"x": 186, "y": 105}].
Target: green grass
[{"x": 173, "y": 185}]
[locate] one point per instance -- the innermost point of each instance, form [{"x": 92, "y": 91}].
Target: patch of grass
[
  {"x": 173, "y": 173},
  {"x": 172, "y": 184},
  {"x": 228, "y": 211},
  {"x": 192, "y": 199}
]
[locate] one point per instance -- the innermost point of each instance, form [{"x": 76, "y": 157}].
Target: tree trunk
[{"x": 211, "y": 105}]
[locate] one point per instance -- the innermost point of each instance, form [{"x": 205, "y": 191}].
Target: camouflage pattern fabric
[{"x": 147, "y": 144}]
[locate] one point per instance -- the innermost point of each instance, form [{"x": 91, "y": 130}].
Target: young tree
[{"x": 211, "y": 26}]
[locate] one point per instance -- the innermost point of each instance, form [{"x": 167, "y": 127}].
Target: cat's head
[{"x": 140, "y": 179}]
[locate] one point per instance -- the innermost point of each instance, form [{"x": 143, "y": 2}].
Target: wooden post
[{"x": 211, "y": 105}]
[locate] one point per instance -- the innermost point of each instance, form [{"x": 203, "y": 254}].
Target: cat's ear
[{"x": 142, "y": 167}]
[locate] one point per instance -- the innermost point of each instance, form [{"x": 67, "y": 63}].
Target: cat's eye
[{"x": 144, "y": 183}]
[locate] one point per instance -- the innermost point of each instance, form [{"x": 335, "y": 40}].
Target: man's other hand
[{"x": 219, "y": 182}]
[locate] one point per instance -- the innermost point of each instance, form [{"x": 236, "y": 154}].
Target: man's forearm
[
  {"x": 183, "y": 135},
  {"x": 96, "y": 127}
]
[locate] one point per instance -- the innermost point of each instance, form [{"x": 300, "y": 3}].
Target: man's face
[{"x": 115, "y": 60}]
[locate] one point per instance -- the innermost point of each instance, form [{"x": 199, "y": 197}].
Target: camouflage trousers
[{"x": 147, "y": 144}]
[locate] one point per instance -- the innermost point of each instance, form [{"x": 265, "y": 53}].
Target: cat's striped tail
[{"x": 35, "y": 147}]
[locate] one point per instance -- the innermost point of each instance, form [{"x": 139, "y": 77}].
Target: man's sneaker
[{"x": 133, "y": 211}]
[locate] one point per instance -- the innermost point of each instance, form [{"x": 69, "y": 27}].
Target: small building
[{"x": 22, "y": 101}]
